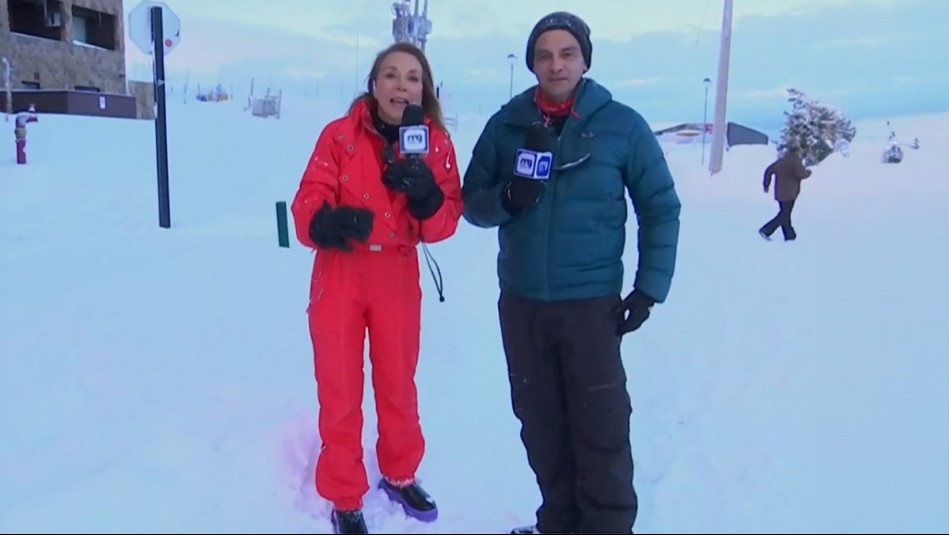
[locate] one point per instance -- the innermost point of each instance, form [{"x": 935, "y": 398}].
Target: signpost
[
  {"x": 153, "y": 26},
  {"x": 6, "y": 83},
  {"x": 283, "y": 227}
]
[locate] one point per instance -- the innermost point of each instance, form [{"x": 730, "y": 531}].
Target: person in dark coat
[
  {"x": 787, "y": 171},
  {"x": 561, "y": 273}
]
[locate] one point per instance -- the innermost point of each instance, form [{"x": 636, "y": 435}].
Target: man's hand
[
  {"x": 521, "y": 194},
  {"x": 632, "y": 312}
]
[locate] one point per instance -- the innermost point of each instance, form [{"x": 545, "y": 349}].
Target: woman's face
[{"x": 398, "y": 83}]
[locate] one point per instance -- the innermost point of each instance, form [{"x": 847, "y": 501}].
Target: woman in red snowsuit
[{"x": 365, "y": 217}]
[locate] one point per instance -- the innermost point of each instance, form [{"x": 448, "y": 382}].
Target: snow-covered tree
[
  {"x": 893, "y": 153},
  {"x": 813, "y": 128}
]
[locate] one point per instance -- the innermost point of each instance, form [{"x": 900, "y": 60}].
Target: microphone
[
  {"x": 535, "y": 160},
  {"x": 413, "y": 134}
]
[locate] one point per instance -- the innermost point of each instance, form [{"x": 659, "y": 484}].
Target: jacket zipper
[{"x": 551, "y": 205}]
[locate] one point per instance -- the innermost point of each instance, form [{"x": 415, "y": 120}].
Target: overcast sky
[{"x": 868, "y": 57}]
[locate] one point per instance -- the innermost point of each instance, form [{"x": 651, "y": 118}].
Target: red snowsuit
[{"x": 376, "y": 286}]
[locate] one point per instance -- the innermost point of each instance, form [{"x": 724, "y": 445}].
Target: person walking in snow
[
  {"x": 364, "y": 210},
  {"x": 19, "y": 131},
  {"x": 787, "y": 172},
  {"x": 562, "y": 235}
]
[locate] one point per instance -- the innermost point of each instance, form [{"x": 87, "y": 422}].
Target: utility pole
[
  {"x": 707, "y": 82},
  {"x": 721, "y": 91},
  {"x": 511, "y": 58}
]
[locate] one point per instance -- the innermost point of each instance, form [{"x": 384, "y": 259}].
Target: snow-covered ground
[{"x": 160, "y": 380}]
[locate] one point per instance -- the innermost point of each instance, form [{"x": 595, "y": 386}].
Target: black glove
[
  {"x": 521, "y": 194},
  {"x": 331, "y": 227},
  {"x": 415, "y": 179},
  {"x": 632, "y": 312},
  {"x": 411, "y": 176}
]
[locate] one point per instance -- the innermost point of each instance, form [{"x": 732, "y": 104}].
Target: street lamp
[
  {"x": 707, "y": 83},
  {"x": 511, "y": 58}
]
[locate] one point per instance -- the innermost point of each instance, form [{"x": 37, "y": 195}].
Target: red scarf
[{"x": 551, "y": 108}]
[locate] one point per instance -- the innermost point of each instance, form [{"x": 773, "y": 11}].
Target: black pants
[
  {"x": 783, "y": 220},
  {"x": 568, "y": 389}
]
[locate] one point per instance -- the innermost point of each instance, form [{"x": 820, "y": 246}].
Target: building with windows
[
  {"x": 66, "y": 56},
  {"x": 64, "y": 44}
]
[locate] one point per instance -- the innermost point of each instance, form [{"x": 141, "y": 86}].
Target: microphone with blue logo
[
  {"x": 535, "y": 159},
  {"x": 413, "y": 134},
  {"x": 532, "y": 168},
  {"x": 411, "y": 175}
]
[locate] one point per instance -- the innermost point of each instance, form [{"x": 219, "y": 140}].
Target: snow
[{"x": 160, "y": 380}]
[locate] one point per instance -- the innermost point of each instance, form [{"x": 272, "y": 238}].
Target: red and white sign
[{"x": 140, "y": 26}]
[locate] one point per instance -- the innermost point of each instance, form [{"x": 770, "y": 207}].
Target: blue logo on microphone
[
  {"x": 413, "y": 139},
  {"x": 534, "y": 165},
  {"x": 543, "y": 165}
]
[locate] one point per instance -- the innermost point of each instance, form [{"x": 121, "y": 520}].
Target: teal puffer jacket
[{"x": 570, "y": 245}]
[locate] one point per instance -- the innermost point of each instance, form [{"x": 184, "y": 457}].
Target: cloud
[
  {"x": 849, "y": 56},
  {"x": 906, "y": 81},
  {"x": 859, "y": 41},
  {"x": 781, "y": 93},
  {"x": 211, "y": 48},
  {"x": 351, "y": 36},
  {"x": 636, "y": 82},
  {"x": 776, "y": 92},
  {"x": 618, "y": 20},
  {"x": 304, "y": 73},
  {"x": 609, "y": 19},
  {"x": 488, "y": 75}
]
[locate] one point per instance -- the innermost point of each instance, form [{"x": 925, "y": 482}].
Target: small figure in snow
[{"x": 19, "y": 131}]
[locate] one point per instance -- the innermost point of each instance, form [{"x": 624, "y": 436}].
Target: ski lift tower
[{"x": 410, "y": 27}]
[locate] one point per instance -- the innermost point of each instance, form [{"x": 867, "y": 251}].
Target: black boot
[
  {"x": 349, "y": 522},
  {"x": 526, "y": 529},
  {"x": 414, "y": 500}
]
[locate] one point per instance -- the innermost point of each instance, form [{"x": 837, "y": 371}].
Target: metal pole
[
  {"x": 511, "y": 58},
  {"x": 9, "y": 90},
  {"x": 511, "y": 88},
  {"x": 705, "y": 119},
  {"x": 721, "y": 92},
  {"x": 161, "y": 127}
]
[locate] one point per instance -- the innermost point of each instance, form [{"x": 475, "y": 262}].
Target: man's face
[{"x": 558, "y": 63}]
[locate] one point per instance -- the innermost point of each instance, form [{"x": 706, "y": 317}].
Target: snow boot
[
  {"x": 348, "y": 522},
  {"x": 414, "y": 500}
]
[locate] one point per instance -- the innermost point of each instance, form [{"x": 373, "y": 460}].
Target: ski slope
[{"x": 160, "y": 380}]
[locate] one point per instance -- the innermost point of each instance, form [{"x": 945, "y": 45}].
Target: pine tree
[
  {"x": 893, "y": 153},
  {"x": 813, "y": 128}
]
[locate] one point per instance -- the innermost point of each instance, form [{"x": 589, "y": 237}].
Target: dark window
[
  {"x": 30, "y": 85},
  {"x": 88, "y": 88},
  {"x": 93, "y": 28},
  {"x": 41, "y": 18}
]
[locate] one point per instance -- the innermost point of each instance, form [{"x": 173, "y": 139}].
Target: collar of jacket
[
  {"x": 523, "y": 111},
  {"x": 362, "y": 116}
]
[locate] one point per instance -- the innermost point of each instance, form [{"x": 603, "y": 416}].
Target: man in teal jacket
[{"x": 560, "y": 266}]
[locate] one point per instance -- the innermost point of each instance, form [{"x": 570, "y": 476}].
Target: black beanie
[{"x": 561, "y": 20}]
